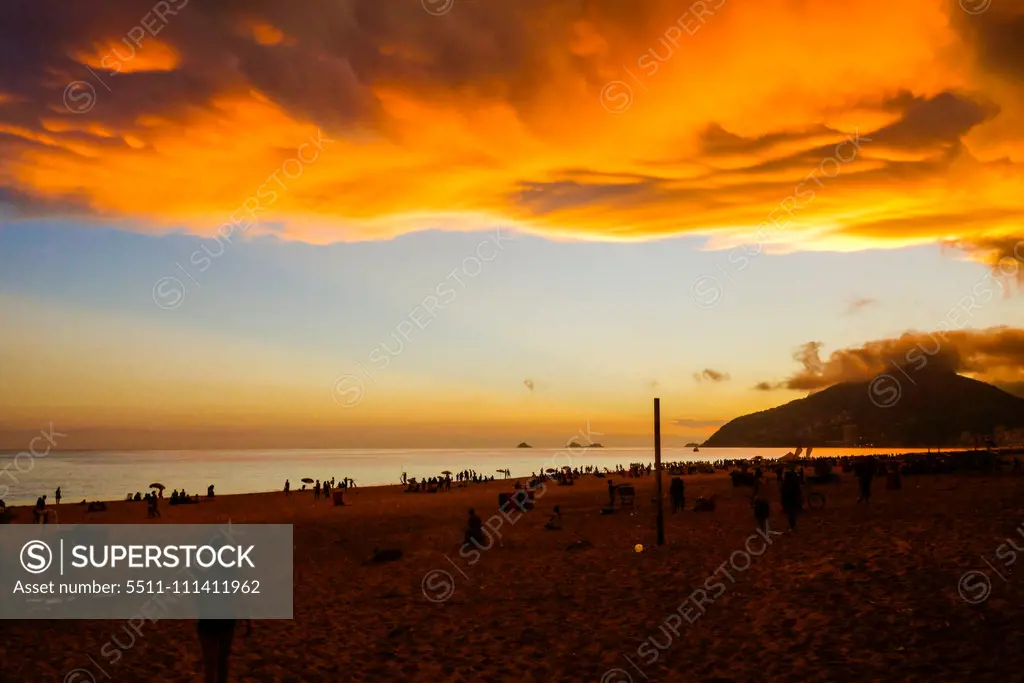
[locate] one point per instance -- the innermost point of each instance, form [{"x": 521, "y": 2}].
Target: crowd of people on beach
[
  {"x": 443, "y": 482},
  {"x": 324, "y": 488},
  {"x": 789, "y": 472}
]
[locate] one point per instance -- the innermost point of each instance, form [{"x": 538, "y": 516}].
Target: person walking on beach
[
  {"x": 287, "y": 487},
  {"x": 755, "y": 488},
  {"x": 475, "y": 529},
  {"x": 677, "y": 491},
  {"x": 865, "y": 473},
  {"x": 215, "y": 638},
  {"x": 316, "y": 490},
  {"x": 39, "y": 513},
  {"x": 57, "y": 495},
  {"x": 761, "y": 511},
  {"x": 154, "y": 511},
  {"x": 792, "y": 498}
]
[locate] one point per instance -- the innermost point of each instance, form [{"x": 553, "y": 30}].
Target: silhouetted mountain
[
  {"x": 524, "y": 445},
  {"x": 921, "y": 408}
]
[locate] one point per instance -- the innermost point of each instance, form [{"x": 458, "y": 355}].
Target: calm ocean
[{"x": 109, "y": 475}]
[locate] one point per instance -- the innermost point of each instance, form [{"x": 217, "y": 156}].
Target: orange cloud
[
  {"x": 125, "y": 57},
  {"x": 800, "y": 125},
  {"x": 994, "y": 355},
  {"x": 265, "y": 34}
]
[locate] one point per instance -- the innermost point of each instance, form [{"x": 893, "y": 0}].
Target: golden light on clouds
[
  {"x": 125, "y": 57},
  {"x": 265, "y": 34},
  {"x": 574, "y": 120}
]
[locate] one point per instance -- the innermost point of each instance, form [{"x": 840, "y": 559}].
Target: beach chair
[{"x": 626, "y": 495}]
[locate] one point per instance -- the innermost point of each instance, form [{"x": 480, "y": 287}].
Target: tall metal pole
[{"x": 657, "y": 469}]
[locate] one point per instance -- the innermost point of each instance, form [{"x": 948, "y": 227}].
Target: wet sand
[{"x": 856, "y": 594}]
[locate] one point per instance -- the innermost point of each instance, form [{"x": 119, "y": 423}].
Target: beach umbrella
[
  {"x": 500, "y": 471},
  {"x": 157, "y": 486},
  {"x": 550, "y": 471},
  {"x": 447, "y": 472},
  {"x": 307, "y": 480}
]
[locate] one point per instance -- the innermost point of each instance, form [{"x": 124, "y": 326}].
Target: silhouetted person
[
  {"x": 792, "y": 498},
  {"x": 287, "y": 487},
  {"x": 761, "y": 511},
  {"x": 153, "y": 511},
  {"x": 555, "y": 523},
  {"x": 611, "y": 494},
  {"x": 316, "y": 490},
  {"x": 209, "y": 491},
  {"x": 57, "y": 495},
  {"x": 865, "y": 473},
  {"x": 215, "y": 638},
  {"x": 677, "y": 491},
  {"x": 475, "y": 530}
]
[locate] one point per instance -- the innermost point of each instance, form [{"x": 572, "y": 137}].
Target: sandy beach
[{"x": 856, "y": 594}]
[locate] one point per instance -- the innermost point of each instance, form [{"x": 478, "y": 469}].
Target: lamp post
[{"x": 657, "y": 470}]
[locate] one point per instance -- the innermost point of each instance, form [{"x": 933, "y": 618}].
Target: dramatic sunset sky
[{"x": 473, "y": 222}]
